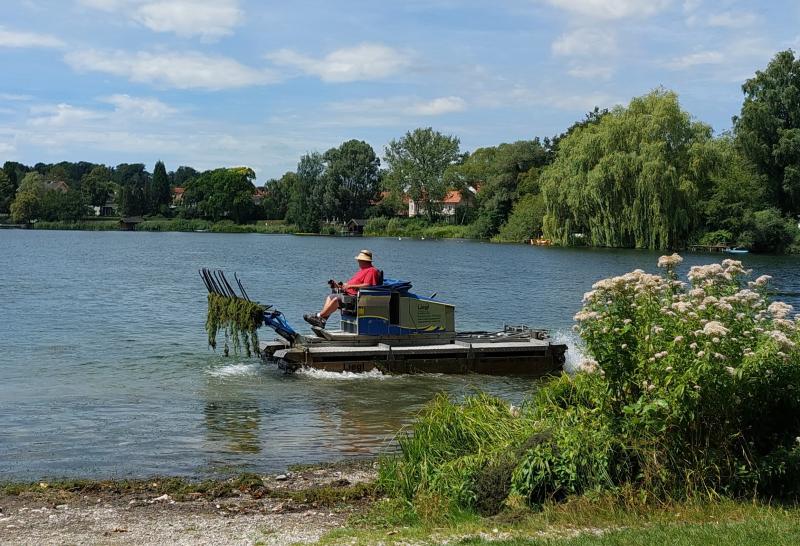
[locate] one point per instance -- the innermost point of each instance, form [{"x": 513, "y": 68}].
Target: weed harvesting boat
[{"x": 384, "y": 327}]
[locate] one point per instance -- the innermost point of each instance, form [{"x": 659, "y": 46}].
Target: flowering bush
[
  {"x": 704, "y": 375},
  {"x": 691, "y": 388}
]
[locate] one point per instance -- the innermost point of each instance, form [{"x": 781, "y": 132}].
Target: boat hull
[{"x": 532, "y": 357}]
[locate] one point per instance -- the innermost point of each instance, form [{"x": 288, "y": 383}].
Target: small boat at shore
[
  {"x": 736, "y": 250},
  {"x": 389, "y": 328}
]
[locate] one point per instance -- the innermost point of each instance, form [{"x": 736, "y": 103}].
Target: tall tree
[
  {"x": 33, "y": 182},
  {"x": 96, "y": 186},
  {"x": 352, "y": 179},
  {"x": 183, "y": 175},
  {"x": 7, "y": 192},
  {"x": 25, "y": 207},
  {"x": 304, "y": 202},
  {"x": 15, "y": 171},
  {"x": 278, "y": 192},
  {"x": 737, "y": 190},
  {"x": 58, "y": 173},
  {"x": 63, "y": 206},
  {"x": 133, "y": 180},
  {"x": 160, "y": 194},
  {"x": 768, "y": 128},
  {"x": 632, "y": 179},
  {"x": 131, "y": 200},
  {"x": 222, "y": 193},
  {"x": 499, "y": 172},
  {"x": 417, "y": 163}
]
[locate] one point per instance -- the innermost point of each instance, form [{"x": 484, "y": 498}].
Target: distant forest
[{"x": 644, "y": 175}]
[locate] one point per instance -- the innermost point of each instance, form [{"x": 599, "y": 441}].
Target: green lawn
[{"x": 583, "y": 522}]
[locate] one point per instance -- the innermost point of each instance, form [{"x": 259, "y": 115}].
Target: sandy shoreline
[{"x": 295, "y": 507}]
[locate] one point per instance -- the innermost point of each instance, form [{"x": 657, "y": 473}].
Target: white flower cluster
[
  {"x": 711, "y": 273},
  {"x": 781, "y": 339},
  {"x": 780, "y": 310},
  {"x": 760, "y": 282},
  {"x": 670, "y": 262},
  {"x": 583, "y": 316},
  {"x": 715, "y": 328},
  {"x": 589, "y": 365}
]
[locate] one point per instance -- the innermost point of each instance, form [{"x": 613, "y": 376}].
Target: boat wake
[
  {"x": 344, "y": 376},
  {"x": 575, "y": 348},
  {"x": 234, "y": 370}
]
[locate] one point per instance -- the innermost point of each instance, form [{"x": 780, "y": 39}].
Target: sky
[{"x": 213, "y": 83}]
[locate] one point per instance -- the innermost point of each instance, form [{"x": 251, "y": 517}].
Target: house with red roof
[
  {"x": 177, "y": 196},
  {"x": 451, "y": 200}
]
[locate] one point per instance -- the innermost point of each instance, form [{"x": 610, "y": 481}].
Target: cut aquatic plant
[{"x": 239, "y": 320}]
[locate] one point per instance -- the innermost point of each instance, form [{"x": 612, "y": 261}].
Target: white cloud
[
  {"x": 14, "y": 97},
  {"x": 390, "y": 110},
  {"x": 11, "y": 38},
  {"x": 175, "y": 70},
  {"x": 439, "y": 106},
  {"x": 143, "y": 107},
  {"x": 127, "y": 110},
  {"x": 362, "y": 62},
  {"x": 209, "y": 19},
  {"x": 730, "y": 19},
  {"x": 696, "y": 59},
  {"x": 562, "y": 100},
  {"x": 585, "y": 42},
  {"x": 592, "y": 50},
  {"x": 61, "y": 115},
  {"x": 105, "y": 5},
  {"x": 611, "y": 9},
  {"x": 591, "y": 71}
]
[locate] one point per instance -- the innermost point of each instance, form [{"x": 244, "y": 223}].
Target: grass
[{"x": 582, "y": 521}]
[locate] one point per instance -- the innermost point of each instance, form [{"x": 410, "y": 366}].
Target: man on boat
[{"x": 367, "y": 275}]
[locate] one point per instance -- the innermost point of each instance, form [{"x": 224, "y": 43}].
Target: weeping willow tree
[{"x": 632, "y": 179}]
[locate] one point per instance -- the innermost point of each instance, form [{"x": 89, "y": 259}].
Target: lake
[{"x": 105, "y": 369}]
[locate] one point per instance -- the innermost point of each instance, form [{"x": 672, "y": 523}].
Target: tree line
[{"x": 644, "y": 175}]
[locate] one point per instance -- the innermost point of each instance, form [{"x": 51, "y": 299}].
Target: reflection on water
[
  {"x": 235, "y": 423},
  {"x": 105, "y": 370}
]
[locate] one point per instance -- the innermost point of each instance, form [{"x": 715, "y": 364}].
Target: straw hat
[{"x": 365, "y": 256}]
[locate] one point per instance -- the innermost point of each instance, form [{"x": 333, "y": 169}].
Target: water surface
[{"x": 105, "y": 369}]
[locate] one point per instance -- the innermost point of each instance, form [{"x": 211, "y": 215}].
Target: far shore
[{"x": 274, "y": 227}]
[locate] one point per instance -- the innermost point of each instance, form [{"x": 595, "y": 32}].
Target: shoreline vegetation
[
  {"x": 343, "y": 503},
  {"x": 645, "y": 175}
]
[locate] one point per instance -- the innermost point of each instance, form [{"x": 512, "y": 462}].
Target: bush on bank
[
  {"x": 414, "y": 227},
  {"x": 691, "y": 390}
]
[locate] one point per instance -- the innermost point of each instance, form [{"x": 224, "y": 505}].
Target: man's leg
[
  {"x": 331, "y": 305},
  {"x": 319, "y": 319}
]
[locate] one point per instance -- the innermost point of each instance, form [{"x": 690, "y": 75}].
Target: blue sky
[{"x": 212, "y": 83}]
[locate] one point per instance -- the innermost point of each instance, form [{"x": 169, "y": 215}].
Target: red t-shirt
[{"x": 367, "y": 275}]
